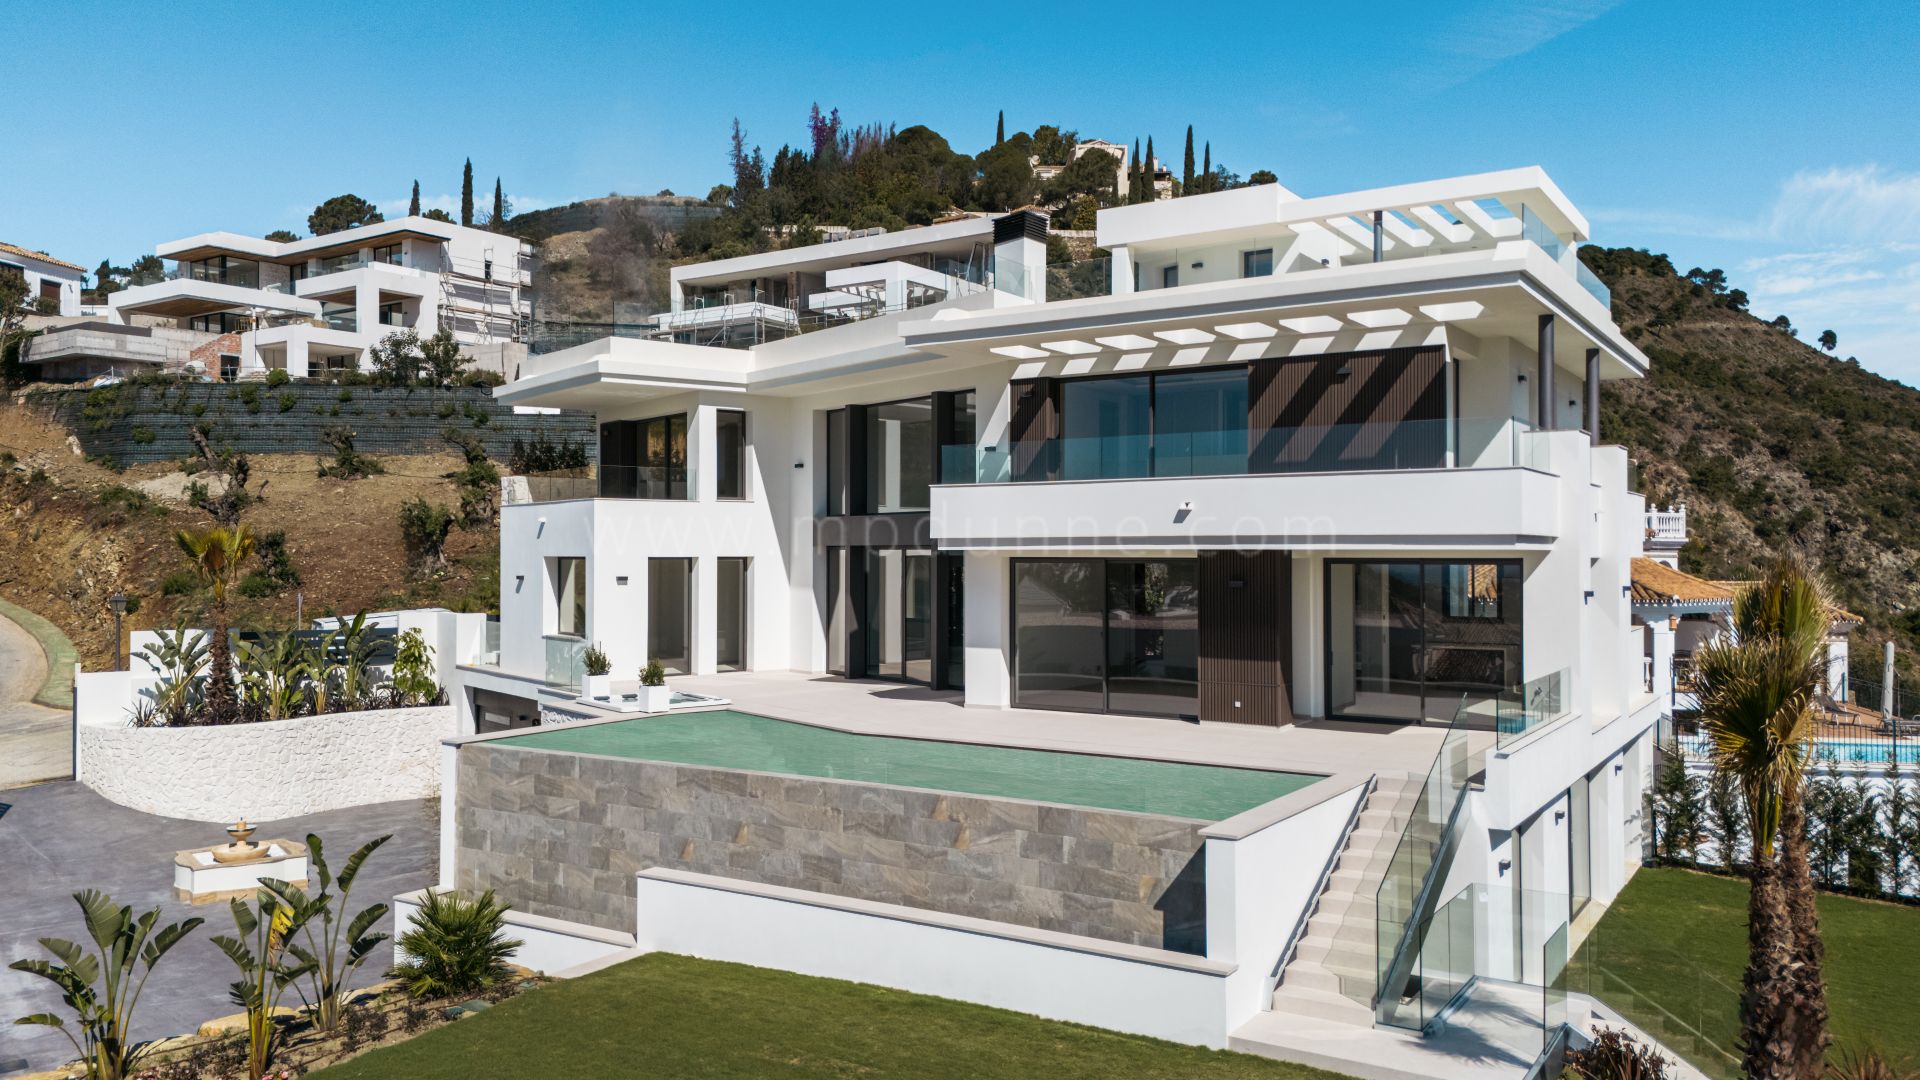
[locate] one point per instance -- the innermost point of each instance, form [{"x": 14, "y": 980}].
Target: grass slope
[
  {"x": 1679, "y": 939},
  {"x": 664, "y": 1015}
]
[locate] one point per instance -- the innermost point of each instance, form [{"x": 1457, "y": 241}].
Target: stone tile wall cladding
[{"x": 562, "y": 835}]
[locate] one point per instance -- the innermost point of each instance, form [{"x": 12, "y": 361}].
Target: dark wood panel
[
  {"x": 1033, "y": 421},
  {"x": 1380, "y": 409},
  {"x": 1246, "y": 640}
]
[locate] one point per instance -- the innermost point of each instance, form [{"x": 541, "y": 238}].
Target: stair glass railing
[{"x": 1404, "y": 901}]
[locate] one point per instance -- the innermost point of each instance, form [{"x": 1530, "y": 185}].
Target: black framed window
[
  {"x": 730, "y": 452},
  {"x": 644, "y": 459},
  {"x": 1107, "y": 635},
  {"x": 1170, "y": 276},
  {"x": 1256, "y": 263},
  {"x": 1171, "y": 423},
  {"x": 899, "y": 456},
  {"x": 730, "y": 613},
  {"x": 670, "y": 614},
  {"x": 1421, "y": 641}
]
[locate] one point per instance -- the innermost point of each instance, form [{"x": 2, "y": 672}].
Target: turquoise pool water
[{"x": 736, "y": 740}]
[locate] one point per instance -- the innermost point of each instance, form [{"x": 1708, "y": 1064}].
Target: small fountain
[{"x": 236, "y": 867}]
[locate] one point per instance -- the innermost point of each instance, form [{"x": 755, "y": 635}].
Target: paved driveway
[
  {"x": 36, "y": 743},
  {"x": 59, "y": 838}
]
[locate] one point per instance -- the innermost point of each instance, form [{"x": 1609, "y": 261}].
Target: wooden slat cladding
[
  {"x": 1246, "y": 641},
  {"x": 1383, "y": 409},
  {"x": 1032, "y": 424}
]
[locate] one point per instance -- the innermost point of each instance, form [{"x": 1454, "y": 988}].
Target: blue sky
[{"x": 1780, "y": 141}]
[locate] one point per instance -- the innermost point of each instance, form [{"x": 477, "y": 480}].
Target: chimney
[{"x": 1020, "y": 255}]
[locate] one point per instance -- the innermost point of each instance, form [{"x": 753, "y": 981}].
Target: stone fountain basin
[{"x": 198, "y": 878}]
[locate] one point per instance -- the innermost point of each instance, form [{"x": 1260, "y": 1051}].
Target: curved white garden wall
[{"x": 267, "y": 771}]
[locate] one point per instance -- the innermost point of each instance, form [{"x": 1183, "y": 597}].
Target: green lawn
[
  {"x": 663, "y": 1015},
  {"x": 1670, "y": 953}
]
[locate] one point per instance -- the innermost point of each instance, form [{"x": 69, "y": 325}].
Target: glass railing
[
  {"x": 1565, "y": 253},
  {"x": 1080, "y": 279},
  {"x": 347, "y": 323},
  {"x": 1692, "y": 1013},
  {"x": 1533, "y": 705},
  {"x": 1413, "y": 444},
  {"x": 335, "y": 266},
  {"x": 1494, "y": 959},
  {"x": 609, "y": 482},
  {"x": 1591, "y": 282},
  {"x": 565, "y": 661},
  {"x": 1404, "y": 905}
]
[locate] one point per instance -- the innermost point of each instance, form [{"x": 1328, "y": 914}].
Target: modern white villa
[
  {"x": 239, "y": 306},
  {"x": 52, "y": 284},
  {"x": 1242, "y": 655}
]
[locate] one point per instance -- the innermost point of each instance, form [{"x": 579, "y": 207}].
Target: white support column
[
  {"x": 1122, "y": 270},
  {"x": 299, "y": 366},
  {"x": 703, "y": 480},
  {"x": 366, "y": 311},
  {"x": 988, "y": 650}
]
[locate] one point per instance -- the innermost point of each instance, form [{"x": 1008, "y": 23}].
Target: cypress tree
[
  {"x": 413, "y": 208},
  {"x": 1133, "y": 175},
  {"x": 1147, "y": 172},
  {"x": 1186, "y": 171},
  {"x": 466, "y": 194},
  {"x": 1206, "y": 170},
  {"x": 499, "y": 207},
  {"x": 1000, "y": 128}
]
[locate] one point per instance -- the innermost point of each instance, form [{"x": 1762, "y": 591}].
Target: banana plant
[
  {"x": 335, "y": 947},
  {"x": 181, "y": 658},
  {"x": 260, "y": 952},
  {"x": 102, "y": 990},
  {"x": 274, "y": 674},
  {"x": 348, "y": 668}
]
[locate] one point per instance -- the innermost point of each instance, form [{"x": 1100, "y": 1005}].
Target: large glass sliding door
[
  {"x": 670, "y": 614},
  {"x": 1118, "y": 635},
  {"x": 1419, "y": 641},
  {"x": 899, "y": 615}
]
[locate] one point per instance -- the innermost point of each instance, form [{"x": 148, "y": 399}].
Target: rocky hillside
[
  {"x": 1771, "y": 443},
  {"x": 75, "y": 531}
]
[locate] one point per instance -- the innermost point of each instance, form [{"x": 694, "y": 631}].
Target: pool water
[
  {"x": 736, "y": 740},
  {"x": 1837, "y": 751}
]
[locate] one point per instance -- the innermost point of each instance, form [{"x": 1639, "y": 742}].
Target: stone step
[
  {"x": 1310, "y": 977},
  {"x": 1322, "y": 1005}
]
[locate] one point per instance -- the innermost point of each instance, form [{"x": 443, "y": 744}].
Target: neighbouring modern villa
[{"x": 1229, "y": 638}]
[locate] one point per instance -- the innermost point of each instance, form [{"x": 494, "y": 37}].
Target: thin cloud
[{"x": 1488, "y": 34}]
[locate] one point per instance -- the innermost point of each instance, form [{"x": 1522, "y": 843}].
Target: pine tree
[
  {"x": 1186, "y": 169},
  {"x": 499, "y": 220},
  {"x": 413, "y": 208},
  {"x": 1000, "y": 128},
  {"x": 466, "y": 194}
]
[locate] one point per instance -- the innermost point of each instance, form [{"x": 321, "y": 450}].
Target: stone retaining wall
[
  {"x": 562, "y": 835},
  {"x": 268, "y": 771}
]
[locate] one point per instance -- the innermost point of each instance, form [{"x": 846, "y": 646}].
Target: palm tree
[
  {"x": 1757, "y": 691},
  {"x": 216, "y": 555}
]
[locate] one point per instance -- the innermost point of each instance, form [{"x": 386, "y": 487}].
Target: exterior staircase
[{"x": 1331, "y": 974}]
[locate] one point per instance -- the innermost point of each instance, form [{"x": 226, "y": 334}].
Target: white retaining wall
[
  {"x": 552, "y": 946},
  {"x": 265, "y": 771}
]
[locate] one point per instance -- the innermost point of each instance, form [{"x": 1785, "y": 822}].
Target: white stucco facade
[{"x": 53, "y": 285}]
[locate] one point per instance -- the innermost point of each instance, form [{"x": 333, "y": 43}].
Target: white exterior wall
[{"x": 38, "y": 271}]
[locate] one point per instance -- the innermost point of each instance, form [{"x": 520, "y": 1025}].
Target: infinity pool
[{"x": 736, "y": 740}]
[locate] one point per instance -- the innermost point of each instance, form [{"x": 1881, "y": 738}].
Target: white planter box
[
  {"x": 596, "y": 686},
  {"x": 655, "y": 698}
]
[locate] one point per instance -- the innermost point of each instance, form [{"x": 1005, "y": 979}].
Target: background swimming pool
[{"x": 737, "y": 740}]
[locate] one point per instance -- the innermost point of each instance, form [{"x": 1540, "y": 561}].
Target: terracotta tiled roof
[
  {"x": 16, "y": 249},
  {"x": 1658, "y": 583}
]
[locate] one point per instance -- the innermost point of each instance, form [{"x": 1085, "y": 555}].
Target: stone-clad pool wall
[{"x": 562, "y": 835}]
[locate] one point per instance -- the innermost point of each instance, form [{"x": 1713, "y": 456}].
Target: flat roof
[
  {"x": 873, "y": 248},
  {"x": 206, "y": 245}
]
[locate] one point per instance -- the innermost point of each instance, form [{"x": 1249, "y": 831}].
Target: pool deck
[{"x": 879, "y": 708}]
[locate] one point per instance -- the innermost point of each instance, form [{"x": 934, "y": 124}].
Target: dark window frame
[
  {"x": 1106, "y": 625},
  {"x": 742, "y": 474}
]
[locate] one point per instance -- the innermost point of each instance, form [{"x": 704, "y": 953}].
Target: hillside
[
  {"x": 1772, "y": 444},
  {"x": 76, "y": 531}
]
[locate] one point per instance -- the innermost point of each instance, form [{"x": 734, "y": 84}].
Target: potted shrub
[
  {"x": 598, "y": 683},
  {"x": 654, "y": 695}
]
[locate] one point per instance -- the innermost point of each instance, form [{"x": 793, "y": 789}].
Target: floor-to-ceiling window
[
  {"x": 899, "y": 615},
  {"x": 670, "y": 613},
  {"x": 1107, "y": 635},
  {"x": 900, "y": 455},
  {"x": 837, "y": 611},
  {"x": 730, "y": 615},
  {"x": 1174, "y": 423},
  {"x": 644, "y": 459},
  {"x": 730, "y": 453},
  {"x": 570, "y": 597},
  {"x": 1420, "y": 641}
]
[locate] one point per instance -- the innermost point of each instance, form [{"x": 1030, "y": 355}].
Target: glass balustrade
[{"x": 1414, "y": 444}]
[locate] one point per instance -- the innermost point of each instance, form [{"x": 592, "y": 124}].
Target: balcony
[
  {"x": 1667, "y": 525},
  {"x": 1438, "y": 485},
  {"x": 663, "y": 483}
]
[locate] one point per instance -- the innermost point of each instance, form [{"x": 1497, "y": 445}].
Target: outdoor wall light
[
  {"x": 1619, "y": 767},
  {"x": 1559, "y": 816},
  {"x": 1523, "y": 378},
  {"x": 1505, "y": 865},
  {"x": 799, "y": 464}
]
